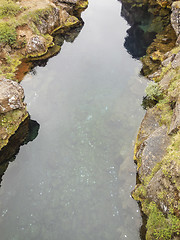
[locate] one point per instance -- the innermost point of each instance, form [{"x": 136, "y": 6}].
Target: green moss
[
  {"x": 173, "y": 150},
  {"x": 8, "y": 33},
  {"x": 153, "y": 91},
  {"x": 9, "y": 123},
  {"x": 82, "y": 5},
  {"x": 160, "y": 227},
  {"x": 9, "y": 68},
  {"x": 36, "y": 15},
  {"x": 49, "y": 40},
  {"x": 166, "y": 112},
  {"x": 139, "y": 193},
  {"x": 9, "y": 8}
]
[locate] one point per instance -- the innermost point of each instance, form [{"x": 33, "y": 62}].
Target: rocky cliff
[
  {"x": 26, "y": 29},
  {"x": 157, "y": 149}
]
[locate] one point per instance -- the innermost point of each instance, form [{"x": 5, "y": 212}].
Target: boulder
[
  {"x": 11, "y": 96},
  {"x": 12, "y": 109},
  {"x": 49, "y": 21},
  {"x": 36, "y": 45}
]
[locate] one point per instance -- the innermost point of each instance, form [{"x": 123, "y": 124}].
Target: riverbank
[
  {"x": 157, "y": 149},
  {"x": 158, "y": 138},
  {"x": 26, "y": 32}
]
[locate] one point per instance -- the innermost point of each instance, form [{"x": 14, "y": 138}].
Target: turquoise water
[{"x": 74, "y": 181}]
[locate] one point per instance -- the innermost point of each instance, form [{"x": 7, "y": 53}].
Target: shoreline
[
  {"x": 157, "y": 148},
  {"x": 157, "y": 145},
  {"x": 27, "y": 35}
]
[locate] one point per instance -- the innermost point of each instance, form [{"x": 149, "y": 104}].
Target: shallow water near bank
[{"x": 74, "y": 181}]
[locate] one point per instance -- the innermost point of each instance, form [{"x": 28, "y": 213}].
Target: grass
[
  {"x": 8, "y": 33},
  {"x": 160, "y": 227},
  {"x": 9, "y": 8}
]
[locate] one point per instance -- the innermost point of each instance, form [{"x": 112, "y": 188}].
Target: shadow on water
[
  {"x": 27, "y": 132},
  {"x": 138, "y": 36},
  {"x": 136, "y": 42}
]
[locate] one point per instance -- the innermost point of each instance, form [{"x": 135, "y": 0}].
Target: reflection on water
[
  {"x": 60, "y": 37},
  {"x": 27, "y": 132},
  {"x": 140, "y": 34},
  {"x": 73, "y": 182}
]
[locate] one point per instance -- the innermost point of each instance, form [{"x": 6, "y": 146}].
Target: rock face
[
  {"x": 49, "y": 21},
  {"x": 31, "y": 36},
  {"x": 12, "y": 109},
  {"x": 157, "y": 150},
  {"x": 11, "y": 96},
  {"x": 175, "y": 17},
  {"x": 154, "y": 150}
]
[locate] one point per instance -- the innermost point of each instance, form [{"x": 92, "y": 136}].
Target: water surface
[{"x": 74, "y": 181}]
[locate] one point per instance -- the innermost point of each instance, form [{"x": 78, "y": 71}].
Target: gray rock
[
  {"x": 11, "y": 96},
  {"x": 168, "y": 60},
  {"x": 165, "y": 81},
  {"x": 49, "y": 21},
  {"x": 36, "y": 44},
  {"x": 67, "y": 1},
  {"x": 153, "y": 151},
  {"x": 175, "y": 17},
  {"x": 154, "y": 75},
  {"x": 162, "y": 189},
  {"x": 175, "y": 123},
  {"x": 176, "y": 61}
]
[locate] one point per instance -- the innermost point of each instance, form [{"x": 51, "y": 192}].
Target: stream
[{"x": 74, "y": 181}]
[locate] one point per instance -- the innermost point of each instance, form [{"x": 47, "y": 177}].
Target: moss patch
[
  {"x": 9, "y": 123},
  {"x": 160, "y": 227},
  {"x": 9, "y": 8},
  {"x": 8, "y": 33}
]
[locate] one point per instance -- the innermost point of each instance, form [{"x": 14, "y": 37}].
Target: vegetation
[
  {"x": 160, "y": 227},
  {"x": 9, "y": 8},
  {"x": 153, "y": 95},
  {"x": 8, "y": 33},
  {"x": 153, "y": 91}
]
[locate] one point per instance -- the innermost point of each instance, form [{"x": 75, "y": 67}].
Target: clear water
[{"x": 74, "y": 181}]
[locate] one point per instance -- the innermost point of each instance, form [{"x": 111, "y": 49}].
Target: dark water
[{"x": 73, "y": 182}]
